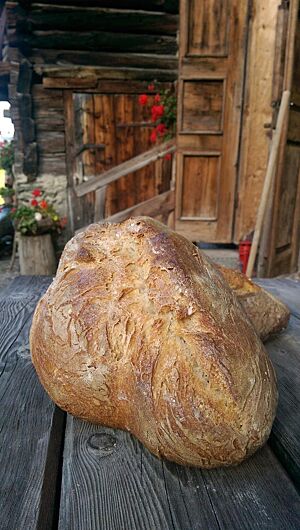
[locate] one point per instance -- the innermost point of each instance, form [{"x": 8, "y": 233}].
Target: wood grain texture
[
  {"x": 285, "y": 174},
  {"x": 203, "y": 106},
  {"x": 170, "y": 6},
  {"x": 212, "y": 51},
  {"x": 104, "y": 41},
  {"x": 111, "y": 482},
  {"x": 78, "y": 57},
  {"x": 208, "y": 28},
  {"x": 125, "y": 168},
  {"x": 200, "y": 186},
  {"x": 284, "y": 351},
  {"x": 96, "y": 18},
  {"x": 266, "y": 39},
  {"x": 28, "y": 416}
]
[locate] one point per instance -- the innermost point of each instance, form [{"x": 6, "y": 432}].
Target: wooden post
[
  {"x": 268, "y": 180},
  {"x": 36, "y": 255}
]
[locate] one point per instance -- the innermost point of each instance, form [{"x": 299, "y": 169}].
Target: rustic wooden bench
[{"x": 60, "y": 472}]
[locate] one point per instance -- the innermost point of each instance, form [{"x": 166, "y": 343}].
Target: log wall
[{"x": 81, "y": 47}]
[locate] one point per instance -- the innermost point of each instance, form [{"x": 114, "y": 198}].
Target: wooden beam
[
  {"x": 88, "y": 77},
  {"x": 125, "y": 168},
  {"x": 162, "y": 204},
  {"x": 107, "y": 86},
  {"x": 70, "y": 82},
  {"x": 96, "y": 40},
  {"x": 92, "y": 58},
  {"x": 282, "y": 116},
  {"x": 96, "y": 18},
  {"x": 168, "y": 6},
  {"x": 100, "y": 204}
]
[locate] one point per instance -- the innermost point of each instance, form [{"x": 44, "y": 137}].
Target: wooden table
[{"x": 60, "y": 472}]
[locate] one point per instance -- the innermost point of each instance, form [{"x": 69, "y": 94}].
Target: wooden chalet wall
[
  {"x": 73, "y": 65},
  {"x": 96, "y": 49}
]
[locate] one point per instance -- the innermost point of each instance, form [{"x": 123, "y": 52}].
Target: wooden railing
[
  {"x": 134, "y": 164},
  {"x": 162, "y": 204}
]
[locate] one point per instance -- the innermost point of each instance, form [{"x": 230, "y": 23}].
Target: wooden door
[
  {"x": 280, "y": 253},
  {"x": 213, "y": 38},
  {"x": 110, "y": 128}
]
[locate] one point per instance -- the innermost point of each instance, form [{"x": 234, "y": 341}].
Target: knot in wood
[{"x": 105, "y": 444}]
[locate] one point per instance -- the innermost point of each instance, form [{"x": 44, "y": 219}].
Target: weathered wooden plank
[
  {"x": 104, "y": 41},
  {"x": 144, "y": 180},
  {"x": 91, "y": 78},
  {"x": 161, "y": 205},
  {"x": 51, "y": 141},
  {"x": 284, "y": 351},
  {"x": 111, "y": 481},
  {"x": 90, "y": 81},
  {"x": 117, "y": 86},
  {"x": 122, "y": 191},
  {"x": 257, "y": 115},
  {"x": 99, "y": 204},
  {"x": 28, "y": 418},
  {"x": 170, "y": 6},
  {"x": 125, "y": 168},
  {"x": 78, "y": 57},
  {"x": 96, "y": 18},
  {"x": 54, "y": 164},
  {"x": 250, "y": 496}
]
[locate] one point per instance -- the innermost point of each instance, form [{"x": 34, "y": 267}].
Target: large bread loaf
[{"x": 140, "y": 332}]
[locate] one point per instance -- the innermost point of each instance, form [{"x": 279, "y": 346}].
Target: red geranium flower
[
  {"x": 34, "y": 202},
  {"x": 43, "y": 204},
  {"x": 157, "y": 98},
  {"x": 157, "y": 111},
  {"x": 151, "y": 87},
  {"x": 168, "y": 156},
  {"x": 37, "y": 192},
  {"x": 153, "y": 136},
  {"x": 143, "y": 98},
  {"x": 161, "y": 129}
]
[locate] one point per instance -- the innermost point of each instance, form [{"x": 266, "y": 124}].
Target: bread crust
[
  {"x": 267, "y": 314},
  {"x": 139, "y": 331}
]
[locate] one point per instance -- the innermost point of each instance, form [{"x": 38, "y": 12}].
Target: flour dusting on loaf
[{"x": 139, "y": 331}]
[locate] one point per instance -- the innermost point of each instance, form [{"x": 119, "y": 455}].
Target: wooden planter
[{"x": 37, "y": 255}]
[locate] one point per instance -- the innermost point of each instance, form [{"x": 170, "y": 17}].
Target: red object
[
  {"x": 244, "y": 252},
  {"x": 168, "y": 156},
  {"x": 37, "y": 192},
  {"x": 143, "y": 98},
  {"x": 161, "y": 129},
  {"x": 153, "y": 136},
  {"x": 34, "y": 202},
  {"x": 157, "y": 98},
  {"x": 157, "y": 111},
  {"x": 43, "y": 204},
  {"x": 151, "y": 87}
]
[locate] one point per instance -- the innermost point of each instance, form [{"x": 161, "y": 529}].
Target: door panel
[
  {"x": 201, "y": 174},
  {"x": 202, "y": 111},
  {"x": 208, "y": 28},
  {"x": 212, "y": 53}
]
